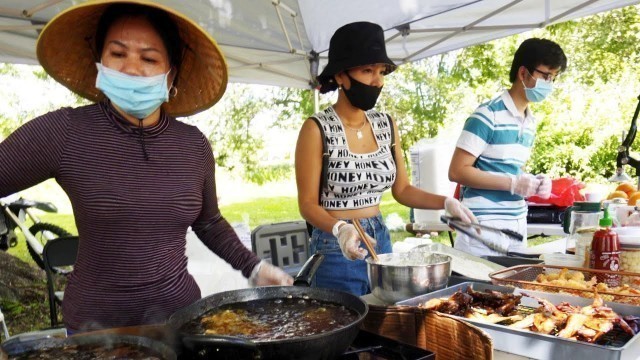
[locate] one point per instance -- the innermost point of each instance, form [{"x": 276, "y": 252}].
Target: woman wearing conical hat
[{"x": 137, "y": 178}]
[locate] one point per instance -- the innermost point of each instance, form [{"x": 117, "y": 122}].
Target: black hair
[
  {"x": 534, "y": 52},
  {"x": 327, "y": 84},
  {"x": 160, "y": 20}
]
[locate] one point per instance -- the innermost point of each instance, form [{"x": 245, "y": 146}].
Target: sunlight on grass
[
  {"x": 65, "y": 221},
  {"x": 261, "y": 211},
  {"x": 280, "y": 209}
]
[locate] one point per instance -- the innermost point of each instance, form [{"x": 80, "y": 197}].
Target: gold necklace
[{"x": 359, "y": 130}]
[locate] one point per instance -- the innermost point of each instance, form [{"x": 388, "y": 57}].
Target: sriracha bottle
[{"x": 605, "y": 251}]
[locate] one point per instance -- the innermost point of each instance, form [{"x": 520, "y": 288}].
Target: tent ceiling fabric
[{"x": 285, "y": 42}]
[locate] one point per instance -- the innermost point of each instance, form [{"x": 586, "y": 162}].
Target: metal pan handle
[
  {"x": 212, "y": 346},
  {"x": 192, "y": 342},
  {"x": 305, "y": 275}
]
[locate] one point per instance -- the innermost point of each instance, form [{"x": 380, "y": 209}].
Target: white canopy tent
[{"x": 285, "y": 42}]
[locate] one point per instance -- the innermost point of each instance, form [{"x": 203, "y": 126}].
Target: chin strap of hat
[{"x": 142, "y": 143}]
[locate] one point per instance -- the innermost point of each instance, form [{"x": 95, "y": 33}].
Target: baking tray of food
[
  {"x": 510, "y": 334},
  {"x": 616, "y": 286}
]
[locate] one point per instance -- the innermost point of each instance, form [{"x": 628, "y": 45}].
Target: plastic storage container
[
  {"x": 583, "y": 245},
  {"x": 630, "y": 261},
  {"x": 580, "y": 222},
  {"x": 629, "y": 248},
  {"x": 430, "y": 161},
  {"x": 621, "y": 213},
  {"x": 633, "y": 219}
]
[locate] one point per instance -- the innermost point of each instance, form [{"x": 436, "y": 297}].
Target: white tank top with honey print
[{"x": 356, "y": 181}]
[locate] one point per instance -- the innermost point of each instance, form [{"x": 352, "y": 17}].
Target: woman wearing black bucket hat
[
  {"x": 346, "y": 181},
  {"x": 137, "y": 178}
]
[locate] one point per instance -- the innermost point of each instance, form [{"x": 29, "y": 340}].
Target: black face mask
[{"x": 361, "y": 95}]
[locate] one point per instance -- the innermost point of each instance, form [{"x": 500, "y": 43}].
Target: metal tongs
[{"x": 476, "y": 231}]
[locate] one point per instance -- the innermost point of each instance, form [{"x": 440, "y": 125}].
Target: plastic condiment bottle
[{"x": 605, "y": 251}]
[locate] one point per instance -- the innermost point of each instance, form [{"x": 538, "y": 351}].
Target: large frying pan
[
  {"x": 17, "y": 347},
  {"x": 327, "y": 345}
]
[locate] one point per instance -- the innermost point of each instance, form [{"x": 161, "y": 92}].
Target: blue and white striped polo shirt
[{"x": 501, "y": 139}]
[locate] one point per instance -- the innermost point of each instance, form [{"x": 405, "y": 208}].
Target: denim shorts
[{"x": 339, "y": 273}]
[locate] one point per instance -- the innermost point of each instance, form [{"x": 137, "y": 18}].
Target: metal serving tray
[{"x": 541, "y": 346}]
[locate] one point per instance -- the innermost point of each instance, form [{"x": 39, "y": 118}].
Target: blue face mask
[
  {"x": 539, "y": 92},
  {"x": 138, "y": 96}
]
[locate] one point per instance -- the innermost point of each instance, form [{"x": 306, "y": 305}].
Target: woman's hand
[
  {"x": 454, "y": 208},
  {"x": 267, "y": 274},
  {"x": 349, "y": 241}
]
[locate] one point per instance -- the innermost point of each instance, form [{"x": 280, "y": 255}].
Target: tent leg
[{"x": 316, "y": 101}]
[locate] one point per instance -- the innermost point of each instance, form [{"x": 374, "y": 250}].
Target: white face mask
[
  {"x": 138, "y": 96},
  {"x": 540, "y": 91}
]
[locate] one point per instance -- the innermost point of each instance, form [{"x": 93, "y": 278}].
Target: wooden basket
[{"x": 446, "y": 336}]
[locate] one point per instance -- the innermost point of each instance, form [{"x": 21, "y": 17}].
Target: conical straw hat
[{"x": 65, "y": 50}]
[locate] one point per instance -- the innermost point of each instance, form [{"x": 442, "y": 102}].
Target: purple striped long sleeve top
[{"x": 132, "y": 212}]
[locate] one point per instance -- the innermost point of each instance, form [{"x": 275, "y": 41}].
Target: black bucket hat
[{"x": 354, "y": 44}]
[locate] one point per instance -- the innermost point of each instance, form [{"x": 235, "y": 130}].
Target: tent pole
[
  {"x": 30, "y": 12},
  {"x": 314, "y": 63},
  {"x": 316, "y": 101}
]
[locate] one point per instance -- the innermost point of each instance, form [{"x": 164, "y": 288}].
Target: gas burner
[
  {"x": 370, "y": 346},
  {"x": 366, "y": 346}
]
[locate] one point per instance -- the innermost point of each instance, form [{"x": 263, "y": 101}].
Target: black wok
[
  {"x": 16, "y": 346},
  {"x": 327, "y": 345}
]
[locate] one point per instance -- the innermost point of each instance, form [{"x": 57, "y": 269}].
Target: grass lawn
[
  {"x": 65, "y": 221},
  {"x": 256, "y": 212}
]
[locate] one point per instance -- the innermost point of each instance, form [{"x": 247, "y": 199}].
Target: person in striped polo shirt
[{"x": 495, "y": 145}]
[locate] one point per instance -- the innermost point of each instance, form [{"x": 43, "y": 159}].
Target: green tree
[
  {"x": 596, "y": 98},
  {"x": 230, "y": 127},
  {"x": 580, "y": 125}
]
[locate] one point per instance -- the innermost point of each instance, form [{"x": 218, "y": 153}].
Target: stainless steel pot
[{"x": 400, "y": 276}]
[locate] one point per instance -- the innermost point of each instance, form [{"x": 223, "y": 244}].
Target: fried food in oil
[{"x": 231, "y": 322}]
